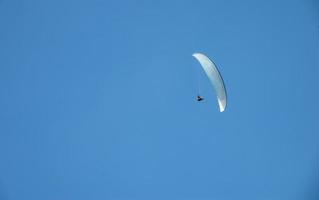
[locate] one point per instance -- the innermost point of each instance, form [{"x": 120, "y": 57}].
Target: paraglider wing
[{"x": 215, "y": 78}]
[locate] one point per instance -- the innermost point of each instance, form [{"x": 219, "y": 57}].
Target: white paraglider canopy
[{"x": 215, "y": 78}]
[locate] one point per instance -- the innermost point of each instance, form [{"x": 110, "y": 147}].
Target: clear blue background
[{"x": 98, "y": 100}]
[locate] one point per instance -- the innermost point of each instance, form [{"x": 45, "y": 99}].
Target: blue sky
[{"x": 98, "y": 100}]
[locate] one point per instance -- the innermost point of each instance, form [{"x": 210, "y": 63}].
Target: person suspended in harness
[{"x": 200, "y": 98}]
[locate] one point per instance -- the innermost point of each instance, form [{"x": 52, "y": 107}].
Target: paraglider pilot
[{"x": 200, "y": 98}]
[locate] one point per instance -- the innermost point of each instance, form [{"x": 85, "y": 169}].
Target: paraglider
[{"x": 215, "y": 78}]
